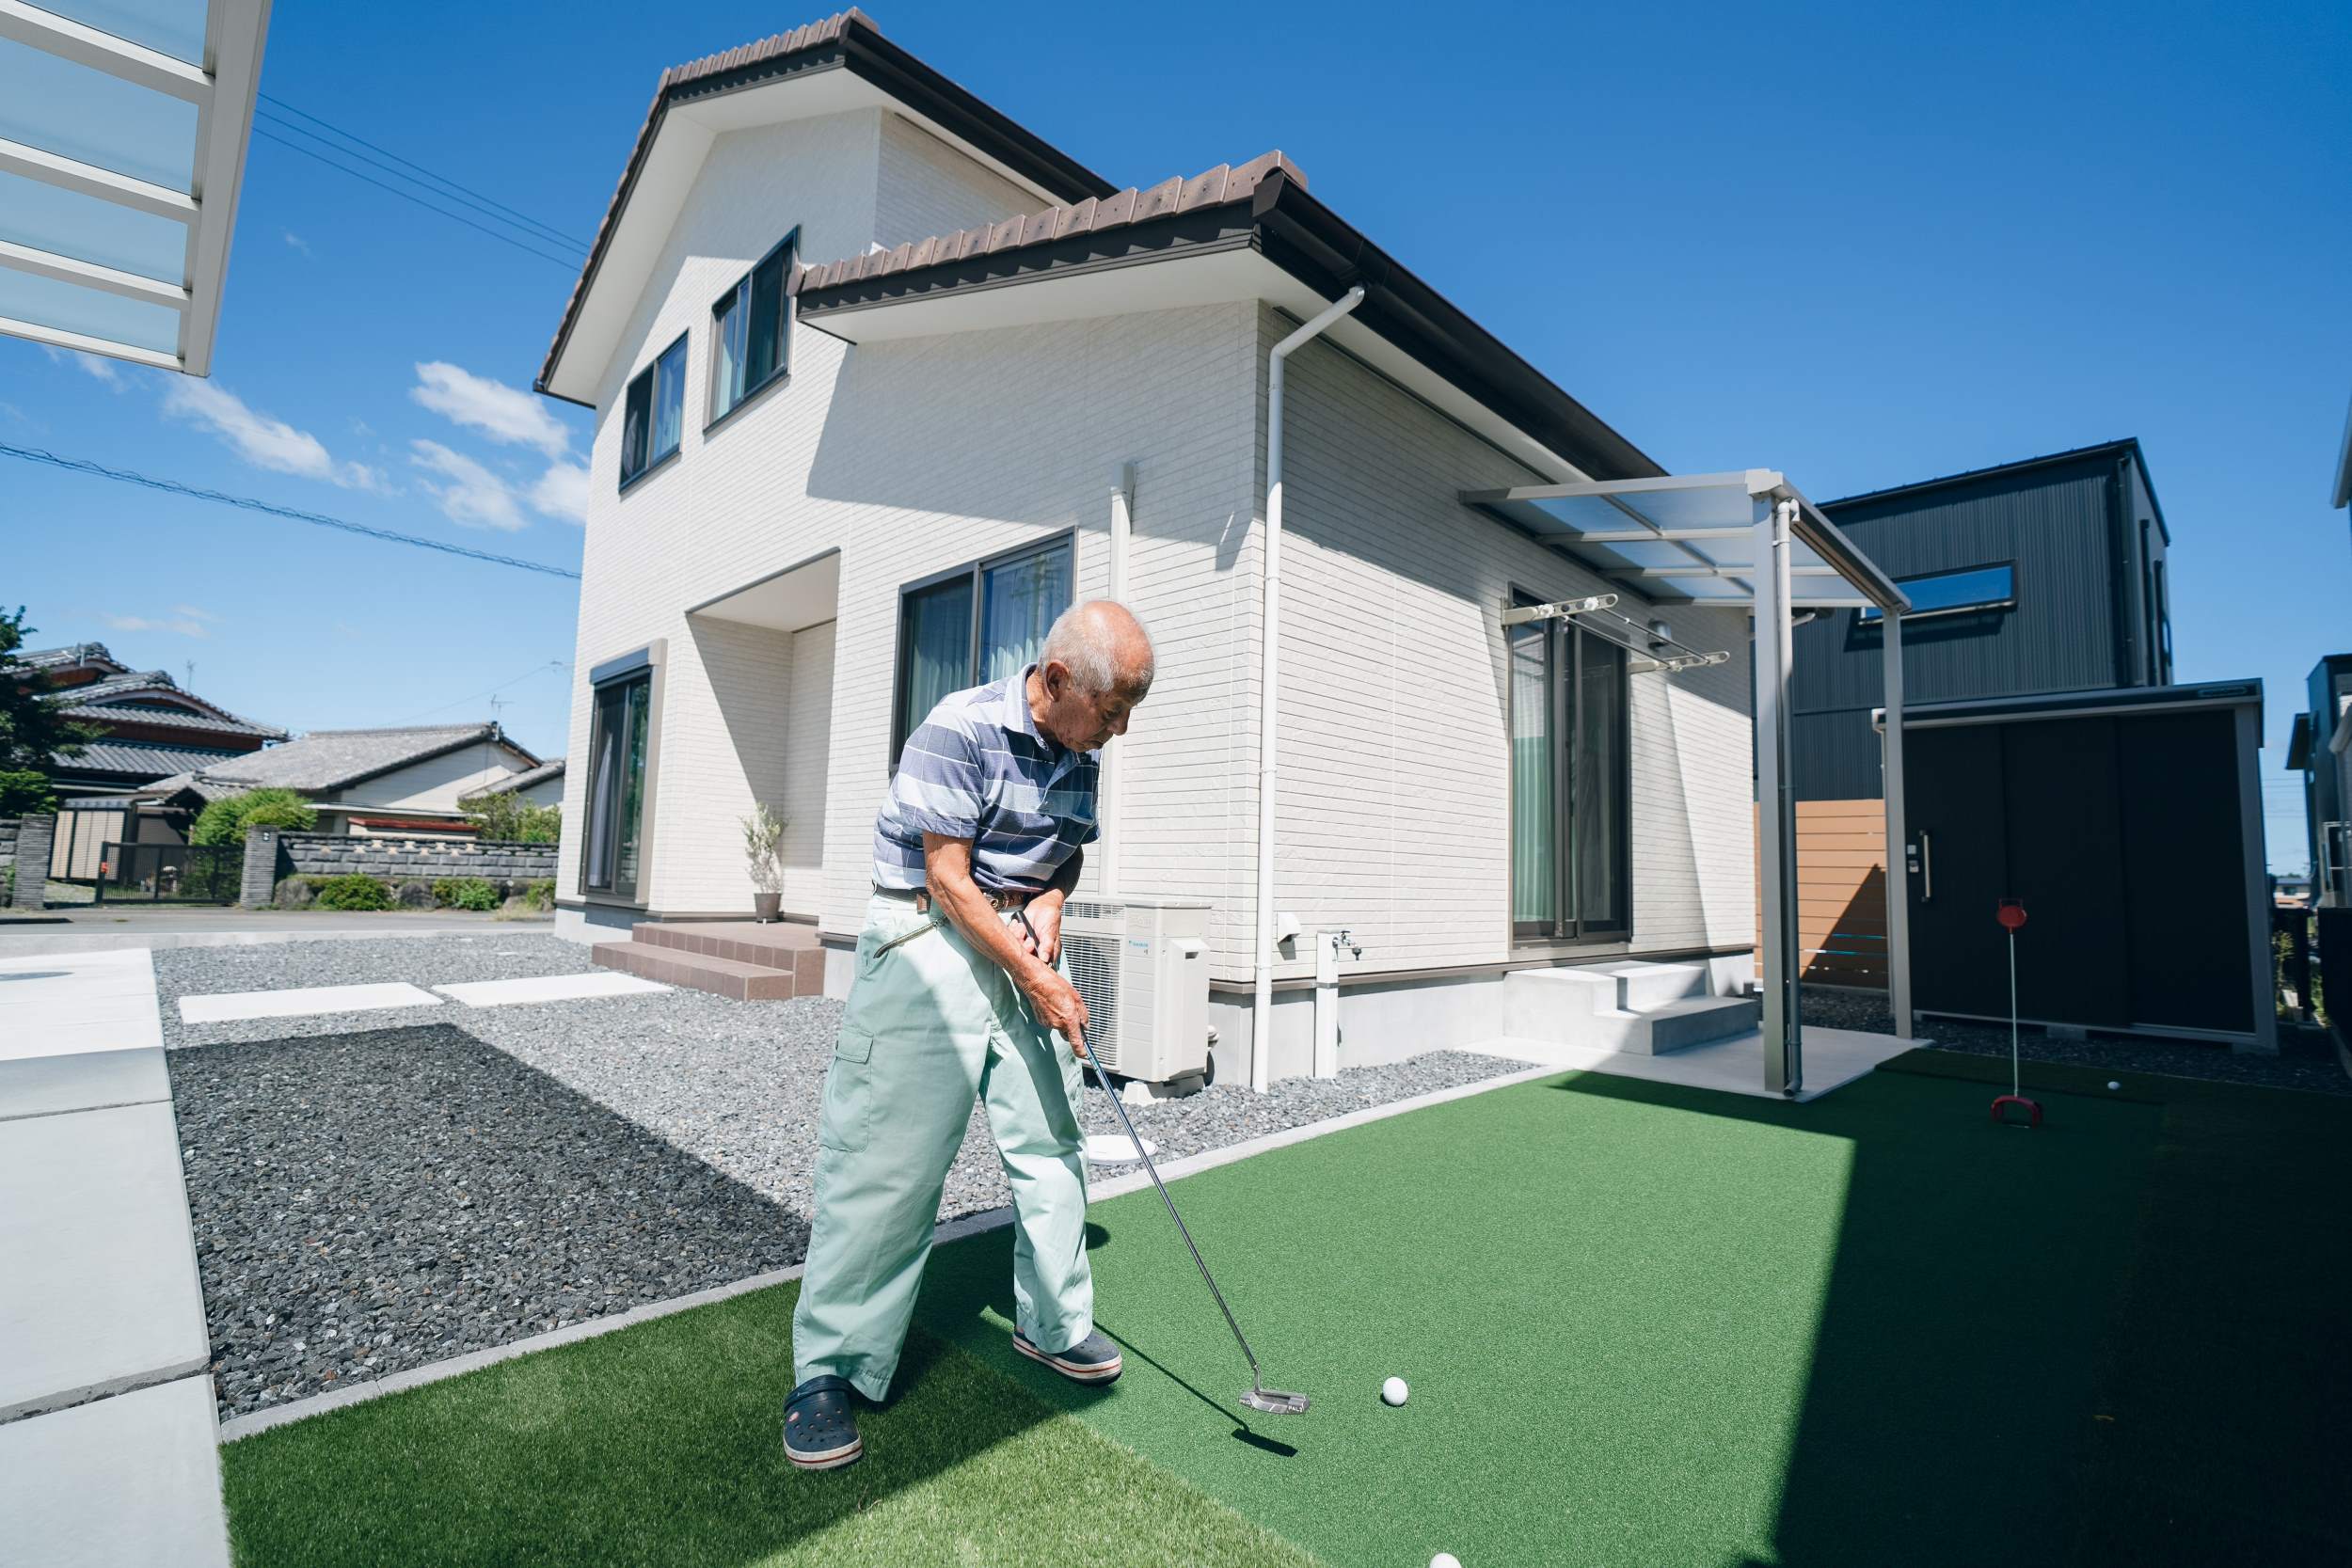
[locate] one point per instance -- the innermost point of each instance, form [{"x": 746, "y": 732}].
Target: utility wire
[
  {"x": 535, "y": 670},
  {"x": 503, "y": 239},
  {"x": 531, "y": 228},
  {"x": 83, "y": 465},
  {"x": 549, "y": 229}
]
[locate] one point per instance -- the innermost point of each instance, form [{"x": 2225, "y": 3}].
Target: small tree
[
  {"x": 511, "y": 817},
  {"x": 34, "y": 731},
  {"x": 763, "y": 831},
  {"x": 26, "y": 793},
  {"x": 225, "y": 821}
]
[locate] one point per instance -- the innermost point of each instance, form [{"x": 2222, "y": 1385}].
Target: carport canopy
[{"x": 1747, "y": 539}]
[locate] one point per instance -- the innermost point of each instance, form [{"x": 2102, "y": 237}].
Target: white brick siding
[{"x": 925, "y": 187}]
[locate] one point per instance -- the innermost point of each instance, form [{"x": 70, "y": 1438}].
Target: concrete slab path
[
  {"x": 65, "y": 1005},
  {"x": 131, "y": 1480},
  {"x": 549, "y": 988},
  {"x": 1832, "y": 1057},
  {"x": 295, "y": 1001}
]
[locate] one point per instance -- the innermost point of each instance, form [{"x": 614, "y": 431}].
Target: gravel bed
[
  {"x": 2292, "y": 1069},
  {"x": 374, "y": 1191}
]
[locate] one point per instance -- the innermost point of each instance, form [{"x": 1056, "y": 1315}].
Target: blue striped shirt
[{"x": 977, "y": 768}]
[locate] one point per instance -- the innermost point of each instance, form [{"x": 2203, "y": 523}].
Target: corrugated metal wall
[{"x": 2056, "y": 523}]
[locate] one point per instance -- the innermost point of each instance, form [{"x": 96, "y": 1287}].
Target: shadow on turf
[{"x": 1998, "y": 1362}]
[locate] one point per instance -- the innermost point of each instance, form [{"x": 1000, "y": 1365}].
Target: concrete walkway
[
  {"x": 108, "y": 1438},
  {"x": 1832, "y": 1058},
  {"x": 109, "y": 927}
]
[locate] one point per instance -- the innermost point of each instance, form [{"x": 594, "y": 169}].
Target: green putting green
[{"x": 1643, "y": 1324}]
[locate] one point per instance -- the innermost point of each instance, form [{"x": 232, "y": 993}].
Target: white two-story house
[{"x": 884, "y": 382}]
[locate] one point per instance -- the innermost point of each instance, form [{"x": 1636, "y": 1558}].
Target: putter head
[{"x": 1275, "y": 1403}]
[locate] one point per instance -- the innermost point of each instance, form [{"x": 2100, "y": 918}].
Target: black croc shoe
[
  {"x": 819, "y": 1434},
  {"x": 1093, "y": 1359}
]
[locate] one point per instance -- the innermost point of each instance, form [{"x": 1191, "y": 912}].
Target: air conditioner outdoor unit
[{"x": 1141, "y": 966}]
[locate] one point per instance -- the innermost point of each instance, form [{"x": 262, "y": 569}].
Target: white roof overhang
[
  {"x": 120, "y": 163},
  {"x": 682, "y": 140},
  {"x": 1691, "y": 538},
  {"x": 1205, "y": 276},
  {"x": 798, "y": 596}
]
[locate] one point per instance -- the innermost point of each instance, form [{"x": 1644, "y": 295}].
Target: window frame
[
  {"x": 642, "y": 667},
  {"x": 1870, "y": 615},
  {"x": 974, "y": 572},
  {"x": 787, "y": 249},
  {"x": 651, "y": 378},
  {"x": 1563, "y": 664}
]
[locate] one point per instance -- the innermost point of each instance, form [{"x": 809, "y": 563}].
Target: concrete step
[
  {"x": 1644, "y": 986},
  {"x": 727, "y": 977},
  {"x": 1692, "y": 1020}
]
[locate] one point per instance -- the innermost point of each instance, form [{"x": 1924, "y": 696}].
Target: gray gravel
[
  {"x": 374, "y": 1191},
  {"x": 2295, "y": 1067}
]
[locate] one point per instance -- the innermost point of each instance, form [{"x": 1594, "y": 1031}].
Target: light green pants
[{"x": 931, "y": 1024}]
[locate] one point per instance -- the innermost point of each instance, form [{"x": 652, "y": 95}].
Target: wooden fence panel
[{"x": 1841, "y": 892}]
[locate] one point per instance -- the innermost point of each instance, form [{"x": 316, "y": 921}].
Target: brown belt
[{"x": 1008, "y": 898}]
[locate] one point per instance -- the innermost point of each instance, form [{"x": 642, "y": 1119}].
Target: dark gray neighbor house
[{"x": 2041, "y": 576}]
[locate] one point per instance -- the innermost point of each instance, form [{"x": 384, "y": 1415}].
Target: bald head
[
  {"x": 1096, "y": 667},
  {"x": 1103, "y": 647}
]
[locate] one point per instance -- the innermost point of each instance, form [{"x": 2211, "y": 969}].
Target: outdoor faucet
[{"x": 1345, "y": 937}]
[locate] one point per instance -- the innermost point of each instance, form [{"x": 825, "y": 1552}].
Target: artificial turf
[{"x": 1643, "y": 1324}]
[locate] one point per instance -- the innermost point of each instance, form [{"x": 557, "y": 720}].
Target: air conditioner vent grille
[{"x": 1093, "y": 963}]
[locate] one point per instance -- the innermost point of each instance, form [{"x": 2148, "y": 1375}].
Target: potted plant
[{"x": 763, "y": 831}]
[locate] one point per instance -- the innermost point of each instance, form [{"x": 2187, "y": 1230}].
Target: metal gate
[{"x": 170, "y": 873}]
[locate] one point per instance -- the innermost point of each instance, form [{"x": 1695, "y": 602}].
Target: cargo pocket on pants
[{"x": 848, "y": 1110}]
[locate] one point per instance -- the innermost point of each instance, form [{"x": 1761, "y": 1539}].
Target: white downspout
[
  {"x": 1269, "y": 713},
  {"x": 1122, "y": 527}
]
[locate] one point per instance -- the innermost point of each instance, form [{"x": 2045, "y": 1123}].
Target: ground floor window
[
  {"x": 976, "y": 623},
  {"x": 613, "y": 842},
  {"x": 1568, "y": 784}
]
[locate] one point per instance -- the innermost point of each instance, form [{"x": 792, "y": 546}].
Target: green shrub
[
  {"x": 354, "y": 893},
  {"x": 26, "y": 793},
  {"x": 467, "y": 893},
  {"x": 225, "y": 821},
  {"x": 539, "y": 892},
  {"x": 513, "y": 819}
]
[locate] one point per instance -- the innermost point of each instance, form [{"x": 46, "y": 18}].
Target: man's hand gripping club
[{"x": 1027, "y": 957}]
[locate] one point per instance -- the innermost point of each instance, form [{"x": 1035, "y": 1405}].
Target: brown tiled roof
[
  {"x": 834, "y": 29},
  {"x": 1216, "y": 187}
]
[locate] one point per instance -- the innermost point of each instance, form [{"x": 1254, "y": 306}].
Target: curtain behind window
[
  {"x": 936, "y": 658},
  {"x": 1020, "y": 599},
  {"x": 1533, "y": 879},
  {"x": 669, "y": 397}
]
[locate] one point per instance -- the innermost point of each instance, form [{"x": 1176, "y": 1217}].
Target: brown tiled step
[
  {"x": 728, "y": 977},
  {"x": 776, "y": 944}
]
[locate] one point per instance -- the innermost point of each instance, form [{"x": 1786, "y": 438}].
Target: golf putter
[{"x": 1274, "y": 1402}]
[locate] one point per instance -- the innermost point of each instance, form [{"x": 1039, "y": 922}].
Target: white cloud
[
  {"x": 563, "y": 492},
  {"x": 505, "y": 414},
  {"x": 89, "y": 364},
  {"x": 473, "y": 495},
  {"x": 298, "y": 242},
  {"x": 183, "y": 621},
  {"x": 265, "y": 442}
]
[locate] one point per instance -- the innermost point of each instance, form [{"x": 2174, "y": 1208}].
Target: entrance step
[
  {"x": 740, "y": 959},
  {"x": 1646, "y": 1009}
]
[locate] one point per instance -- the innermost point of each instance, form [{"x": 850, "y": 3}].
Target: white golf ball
[
  {"x": 2113, "y": 1085},
  {"x": 1445, "y": 1559},
  {"x": 1393, "y": 1391}
]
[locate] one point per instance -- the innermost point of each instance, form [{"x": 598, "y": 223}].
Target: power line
[
  {"x": 406, "y": 196},
  {"x": 532, "y": 228},
  {"x": 535, "y": 670},
  {"x": 552, "y": 231},
  {"x": 83, "y": 465}
]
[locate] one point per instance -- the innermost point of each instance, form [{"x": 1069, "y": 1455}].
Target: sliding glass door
[{"x": 1569, "y": 785}]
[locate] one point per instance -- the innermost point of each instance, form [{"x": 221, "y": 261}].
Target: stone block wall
[
  {"x": 29, "y": 851},
  {"x": 399, "y": 859},
  {"x": 7, "y": 840}
]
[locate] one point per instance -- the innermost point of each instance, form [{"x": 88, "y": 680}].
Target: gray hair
[{"x": 1103, "y": 645}]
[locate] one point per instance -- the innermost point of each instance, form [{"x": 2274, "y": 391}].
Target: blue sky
[{"x": 1863, "y": 245}]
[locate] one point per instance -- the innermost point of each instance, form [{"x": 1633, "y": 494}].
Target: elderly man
[{"x": 956, "y": 996}]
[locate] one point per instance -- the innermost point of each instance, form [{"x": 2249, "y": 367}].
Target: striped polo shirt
[{"x": 977, "y": 768}]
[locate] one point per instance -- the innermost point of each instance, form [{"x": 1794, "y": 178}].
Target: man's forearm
[{"x": 954, "y": 893}]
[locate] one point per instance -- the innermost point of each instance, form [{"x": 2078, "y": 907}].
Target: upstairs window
[
  {"x": 1954, "y": 593},
  {"x": 653, "y": 417},
  {"x": 750, "y": 331}
]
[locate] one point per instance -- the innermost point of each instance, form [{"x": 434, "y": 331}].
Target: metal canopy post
[
  {"x": 1776, "y": 956},
  {"x": 1898, "y": 841}
]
